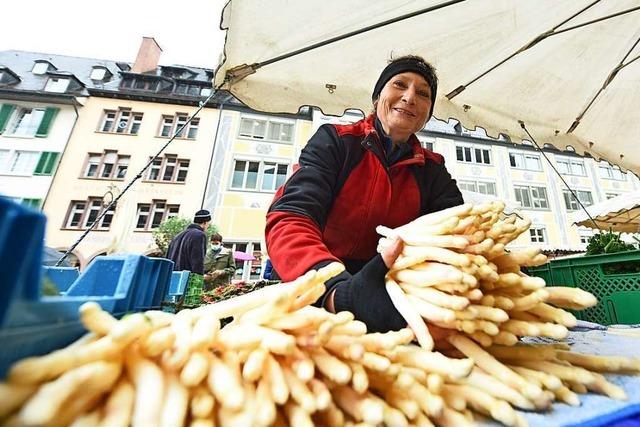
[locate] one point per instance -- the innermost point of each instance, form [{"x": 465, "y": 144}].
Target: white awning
[
  {"x": 621, "y": 213},
  {"x": 569, "y": 70}
]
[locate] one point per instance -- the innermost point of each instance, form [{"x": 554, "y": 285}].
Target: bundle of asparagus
[
  {"x": 283, "y": 362},
  {"x": 279, "y": 362},
  {"x": 455, "y": 272}
]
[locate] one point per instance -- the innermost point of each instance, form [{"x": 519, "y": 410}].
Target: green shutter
[
  {"x": 47, "y": 163},
  {"x": 33, "y": 203},
  {"x": 51, "y": 164},
  {"x": 41, "y": 163},
  {"x": 5, "y": 113},
  {"x": 47, "y": 119}
]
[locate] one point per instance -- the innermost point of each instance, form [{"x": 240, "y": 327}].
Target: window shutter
[
  {"x": 41, "y": 164},
  {"x": 47, "y": 119},
  {"x": 5, "y": 113},
  {"x": 50, "y": 167}
]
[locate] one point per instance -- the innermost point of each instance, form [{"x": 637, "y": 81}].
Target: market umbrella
[
  {"x": 621, "y": 213},
  {"x": 243, "y": 256},
  {"x": 568, "y": 70}
]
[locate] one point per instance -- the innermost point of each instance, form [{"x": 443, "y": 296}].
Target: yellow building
[{"x": 254, "y": 155}]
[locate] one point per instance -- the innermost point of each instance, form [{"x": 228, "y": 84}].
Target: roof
[{"x": 20, "y": 63}]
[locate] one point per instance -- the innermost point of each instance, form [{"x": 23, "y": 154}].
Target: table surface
[{"x": 598, "y": 410}]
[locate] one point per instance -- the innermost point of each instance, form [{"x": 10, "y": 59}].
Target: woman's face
[{"x": 403, "y": 106}]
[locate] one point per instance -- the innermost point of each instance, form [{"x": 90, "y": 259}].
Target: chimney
[{"x": 148, "y": 56}]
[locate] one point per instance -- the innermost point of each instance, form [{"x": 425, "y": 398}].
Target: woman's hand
[{"x": 392, "y": 252}]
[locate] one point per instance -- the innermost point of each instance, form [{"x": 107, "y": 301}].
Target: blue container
[
  {"x": 62, "y": 277},
  {"x": 179, "y": 280},
  {"x": 31, "y": 324},
  {"x": 21, "y": 237}
]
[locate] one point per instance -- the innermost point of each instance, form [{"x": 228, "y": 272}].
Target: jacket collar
[
  {"x": 418, "y": 153},
  {"x": 194, "y": 225}
]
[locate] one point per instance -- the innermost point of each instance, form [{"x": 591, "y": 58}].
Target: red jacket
[{"x": 344, "y": 188}]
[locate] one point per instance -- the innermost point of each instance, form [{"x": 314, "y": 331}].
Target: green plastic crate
[
  {"x": 623, "y": 307},
  {"x": 588, "y": 273},
  {"x": 193, "y": 294}
]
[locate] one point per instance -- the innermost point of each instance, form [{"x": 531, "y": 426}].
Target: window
[
  {"x": 571, "y": 166},
  {"x": 585, "y": 235},
  {"x": 525, "y": 161},
  {"x": 121, "y": 121},
  {"x": 259, "y": 176},
  {"x": 273, "y": 176},
  {"x": 471, "y": 154},
  {"x": 168, "y": 169},
  {"x": 531, "y": 197},
  {"x": 26, "y": 122},
  {"x": 150, "y": 215},
  {"x": 83, "y": 213},
  {"x": 271, "y": 130},
  {"x": 108, "y": 165},
  {"x": 40, "y": 67},
  {"x": 248, "y": 270},
  {"x": 538, "y": 235},
  {"x": 245, "y": 175},
  {"x": 22, "y": 162},
  {"x": 98, "y": 73},
  {"x": 191, "y": 90},
  {"x": 611, "y": 172},
  {"x": 47, "y": 163},
  {"x": 57, "y": 84},
  {"x": 482, "y": 187},
  {"x": 152, "y": 85},
  {"x": 167, "y": 128},
  {"x": 427, "y": 143},
  {"x": 572, "y": 204}
]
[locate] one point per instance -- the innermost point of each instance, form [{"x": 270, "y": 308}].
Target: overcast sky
[{"x": 187, "y": 31}]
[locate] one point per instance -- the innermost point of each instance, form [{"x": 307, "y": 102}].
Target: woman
[{"x": 354, "y": 177}]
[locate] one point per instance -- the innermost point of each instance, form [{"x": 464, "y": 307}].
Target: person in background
[
  {"x": 219, "y": 264},
  {"x": 187, "y": 250},
  {"x": 352, "y": 178},
  {"x": 268, "y": 270}
]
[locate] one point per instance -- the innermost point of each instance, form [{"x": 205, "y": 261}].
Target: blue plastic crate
[
  {"x": 62, "y": 277},
  {"x": 179, "y": 280},
  {"x": 31, "y": 324},
  {"x": 21, "y": 237}
]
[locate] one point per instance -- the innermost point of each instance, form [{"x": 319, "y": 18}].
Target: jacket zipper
[{"x": 372, "y": 142}]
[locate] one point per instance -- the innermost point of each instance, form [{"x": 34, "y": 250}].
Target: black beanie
[
  {"x": 406, "y": 65},
  {"x": 201, "y": 216}
]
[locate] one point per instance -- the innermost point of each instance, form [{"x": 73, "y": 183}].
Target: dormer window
[
  {"x": 57, "y": 84},
  {"x": 8, "y": 77},
  {"x": 42, "y": 67},
  {"x": 98, "y": 73}
]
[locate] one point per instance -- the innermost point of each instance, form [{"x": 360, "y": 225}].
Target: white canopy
[
  {"x": 569, "y": 70},
  {"x": 622, "y": 213}
]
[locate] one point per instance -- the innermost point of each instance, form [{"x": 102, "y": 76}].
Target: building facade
[
  {"x": 254, "y": 155},
  {"x": 39, "y": 107}
]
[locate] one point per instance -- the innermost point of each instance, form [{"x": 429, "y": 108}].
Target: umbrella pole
[{"x": 573, "y": 194}]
